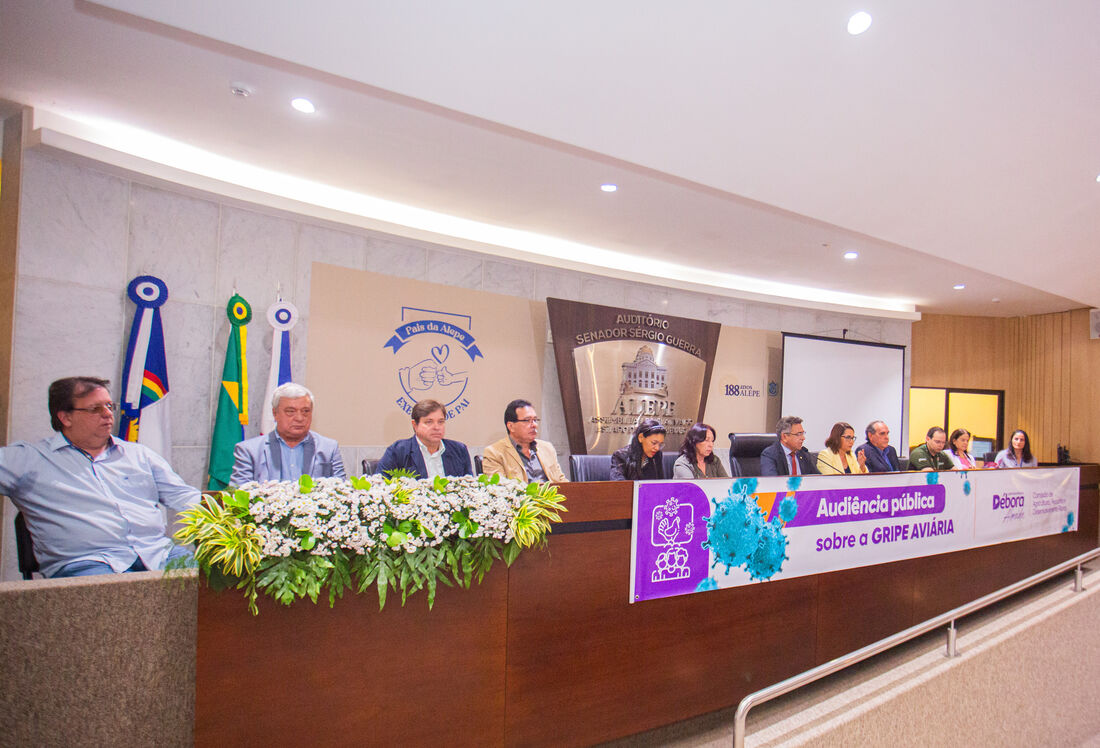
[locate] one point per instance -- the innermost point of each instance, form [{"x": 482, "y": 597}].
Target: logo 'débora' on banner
[{"x": 432, "y": 348}]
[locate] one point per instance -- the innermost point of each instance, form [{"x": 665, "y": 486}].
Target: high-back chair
[
  {"x": 24, "y": 547},
  {"x": 590, "y": 467},
  {"x": 746, "y": 449}
]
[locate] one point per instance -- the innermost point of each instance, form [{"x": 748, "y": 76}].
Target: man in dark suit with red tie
[{"x": 787, "y": 456}]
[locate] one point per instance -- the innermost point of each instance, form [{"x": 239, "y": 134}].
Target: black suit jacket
[
  {"x": 620, "y": 466},
  {"x": 405, "y": 453},
  {"x": 773, "y": 461}
]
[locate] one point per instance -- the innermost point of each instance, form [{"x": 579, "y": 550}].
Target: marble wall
[{"x": 84, "y": 233}]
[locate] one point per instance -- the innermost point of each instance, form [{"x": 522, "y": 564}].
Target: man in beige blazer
[{"x": 520, "y": 455}]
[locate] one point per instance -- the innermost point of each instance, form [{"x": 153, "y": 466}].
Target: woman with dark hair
[
  {"x": 1018, "y": 453},
  {"x": 697, "y": 458},
  {"x": 837, "y": 457},
  {"x": 958, "y": 446},
  {"x": 641, "y": 459}
]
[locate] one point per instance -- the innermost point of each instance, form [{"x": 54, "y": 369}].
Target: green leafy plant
[{"x": 305, "y": 538}]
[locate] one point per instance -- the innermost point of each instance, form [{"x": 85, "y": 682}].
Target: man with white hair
[{"x": 291, "y": 450}]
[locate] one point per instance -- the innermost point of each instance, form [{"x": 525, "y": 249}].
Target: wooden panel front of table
[{"x": 550, "y": 652}]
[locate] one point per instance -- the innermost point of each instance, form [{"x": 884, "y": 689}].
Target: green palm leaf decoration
[{"x": 301, "y": 539}]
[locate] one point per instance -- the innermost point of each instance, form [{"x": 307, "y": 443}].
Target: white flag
[{"x": 283, "y": 316}]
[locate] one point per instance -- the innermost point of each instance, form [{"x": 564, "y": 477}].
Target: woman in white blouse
[{"x": 958, "y": 446}]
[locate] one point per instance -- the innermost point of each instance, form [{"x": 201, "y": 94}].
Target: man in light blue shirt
[{"x": 91, "y": 501}]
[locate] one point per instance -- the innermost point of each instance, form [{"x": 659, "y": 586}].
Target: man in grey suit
[
  {"x": 291, "y": 450},
  {"x": 787, "y": 456}
]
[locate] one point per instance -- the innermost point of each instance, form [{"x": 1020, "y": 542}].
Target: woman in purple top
[{"x": 1018, "y": 453}]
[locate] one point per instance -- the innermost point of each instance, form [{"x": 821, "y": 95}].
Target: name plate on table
[{"x": 694, "y": 536}]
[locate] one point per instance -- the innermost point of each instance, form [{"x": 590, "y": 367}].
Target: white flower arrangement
[{"x": 294, "y": 539}]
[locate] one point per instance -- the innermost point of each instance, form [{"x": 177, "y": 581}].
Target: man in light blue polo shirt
[{"x": 92, "y": 502}]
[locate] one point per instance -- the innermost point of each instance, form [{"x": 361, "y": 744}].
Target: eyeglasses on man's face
[
  {"x": 532, "y": 419},
  {"x": 100, "y": 410}
]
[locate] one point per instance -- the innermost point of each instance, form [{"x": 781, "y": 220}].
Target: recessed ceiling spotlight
[
  {"x": 959, "y": 286},
  {"x": 859, "y": 23},
  {"x": 850, "y": 255},
  {"x": 1098, "y": 177},
  {"x": 305, "y": 106},
  {"x": 240, "y": 89},
  {"x": 608, "y": 187}
]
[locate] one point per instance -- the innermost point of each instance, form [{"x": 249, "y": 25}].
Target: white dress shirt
[{"x": 433, "y": 463}]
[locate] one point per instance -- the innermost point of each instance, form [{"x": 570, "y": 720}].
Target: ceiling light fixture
[
  {"x": 859, "y": 23},
  {"x": 240, "y": 89},
  {"x": 850, "y": 255},
  {"x": 305, "y": 106},
  {"x": 149, "y": 153},
  {"x": 959, "y": 286},
  {"x": 608, "y": 187}
]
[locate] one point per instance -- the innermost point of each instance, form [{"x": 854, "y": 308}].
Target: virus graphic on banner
[
  {"x": 673, "y": 527},
  {"x": 739, "y": 536},
  {"x": 1069, "y": 522},
  {"x": 430, "y": 345}
]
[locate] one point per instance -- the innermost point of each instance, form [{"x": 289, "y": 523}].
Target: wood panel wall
[
  {"x": 11, "y": 178},
  {"x": 1046, "y": 364},
  {"x": 15, "y": 127}
]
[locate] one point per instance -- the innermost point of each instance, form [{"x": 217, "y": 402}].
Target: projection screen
[{"x": 826, "y": 380}]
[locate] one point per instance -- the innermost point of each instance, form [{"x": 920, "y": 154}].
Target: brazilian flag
[{"x": 232, "y": 397}]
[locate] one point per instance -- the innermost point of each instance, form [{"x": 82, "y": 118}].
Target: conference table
[{"x": 550, "y": 651}]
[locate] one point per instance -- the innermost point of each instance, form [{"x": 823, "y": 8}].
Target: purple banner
[
  {"x": 714, "y": 534},
  {"x": 671, "y": 526},
  {"x": 858, "y": 504}
]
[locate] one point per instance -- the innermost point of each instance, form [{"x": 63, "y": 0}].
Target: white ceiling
[{"x": 752, "y": 141}]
